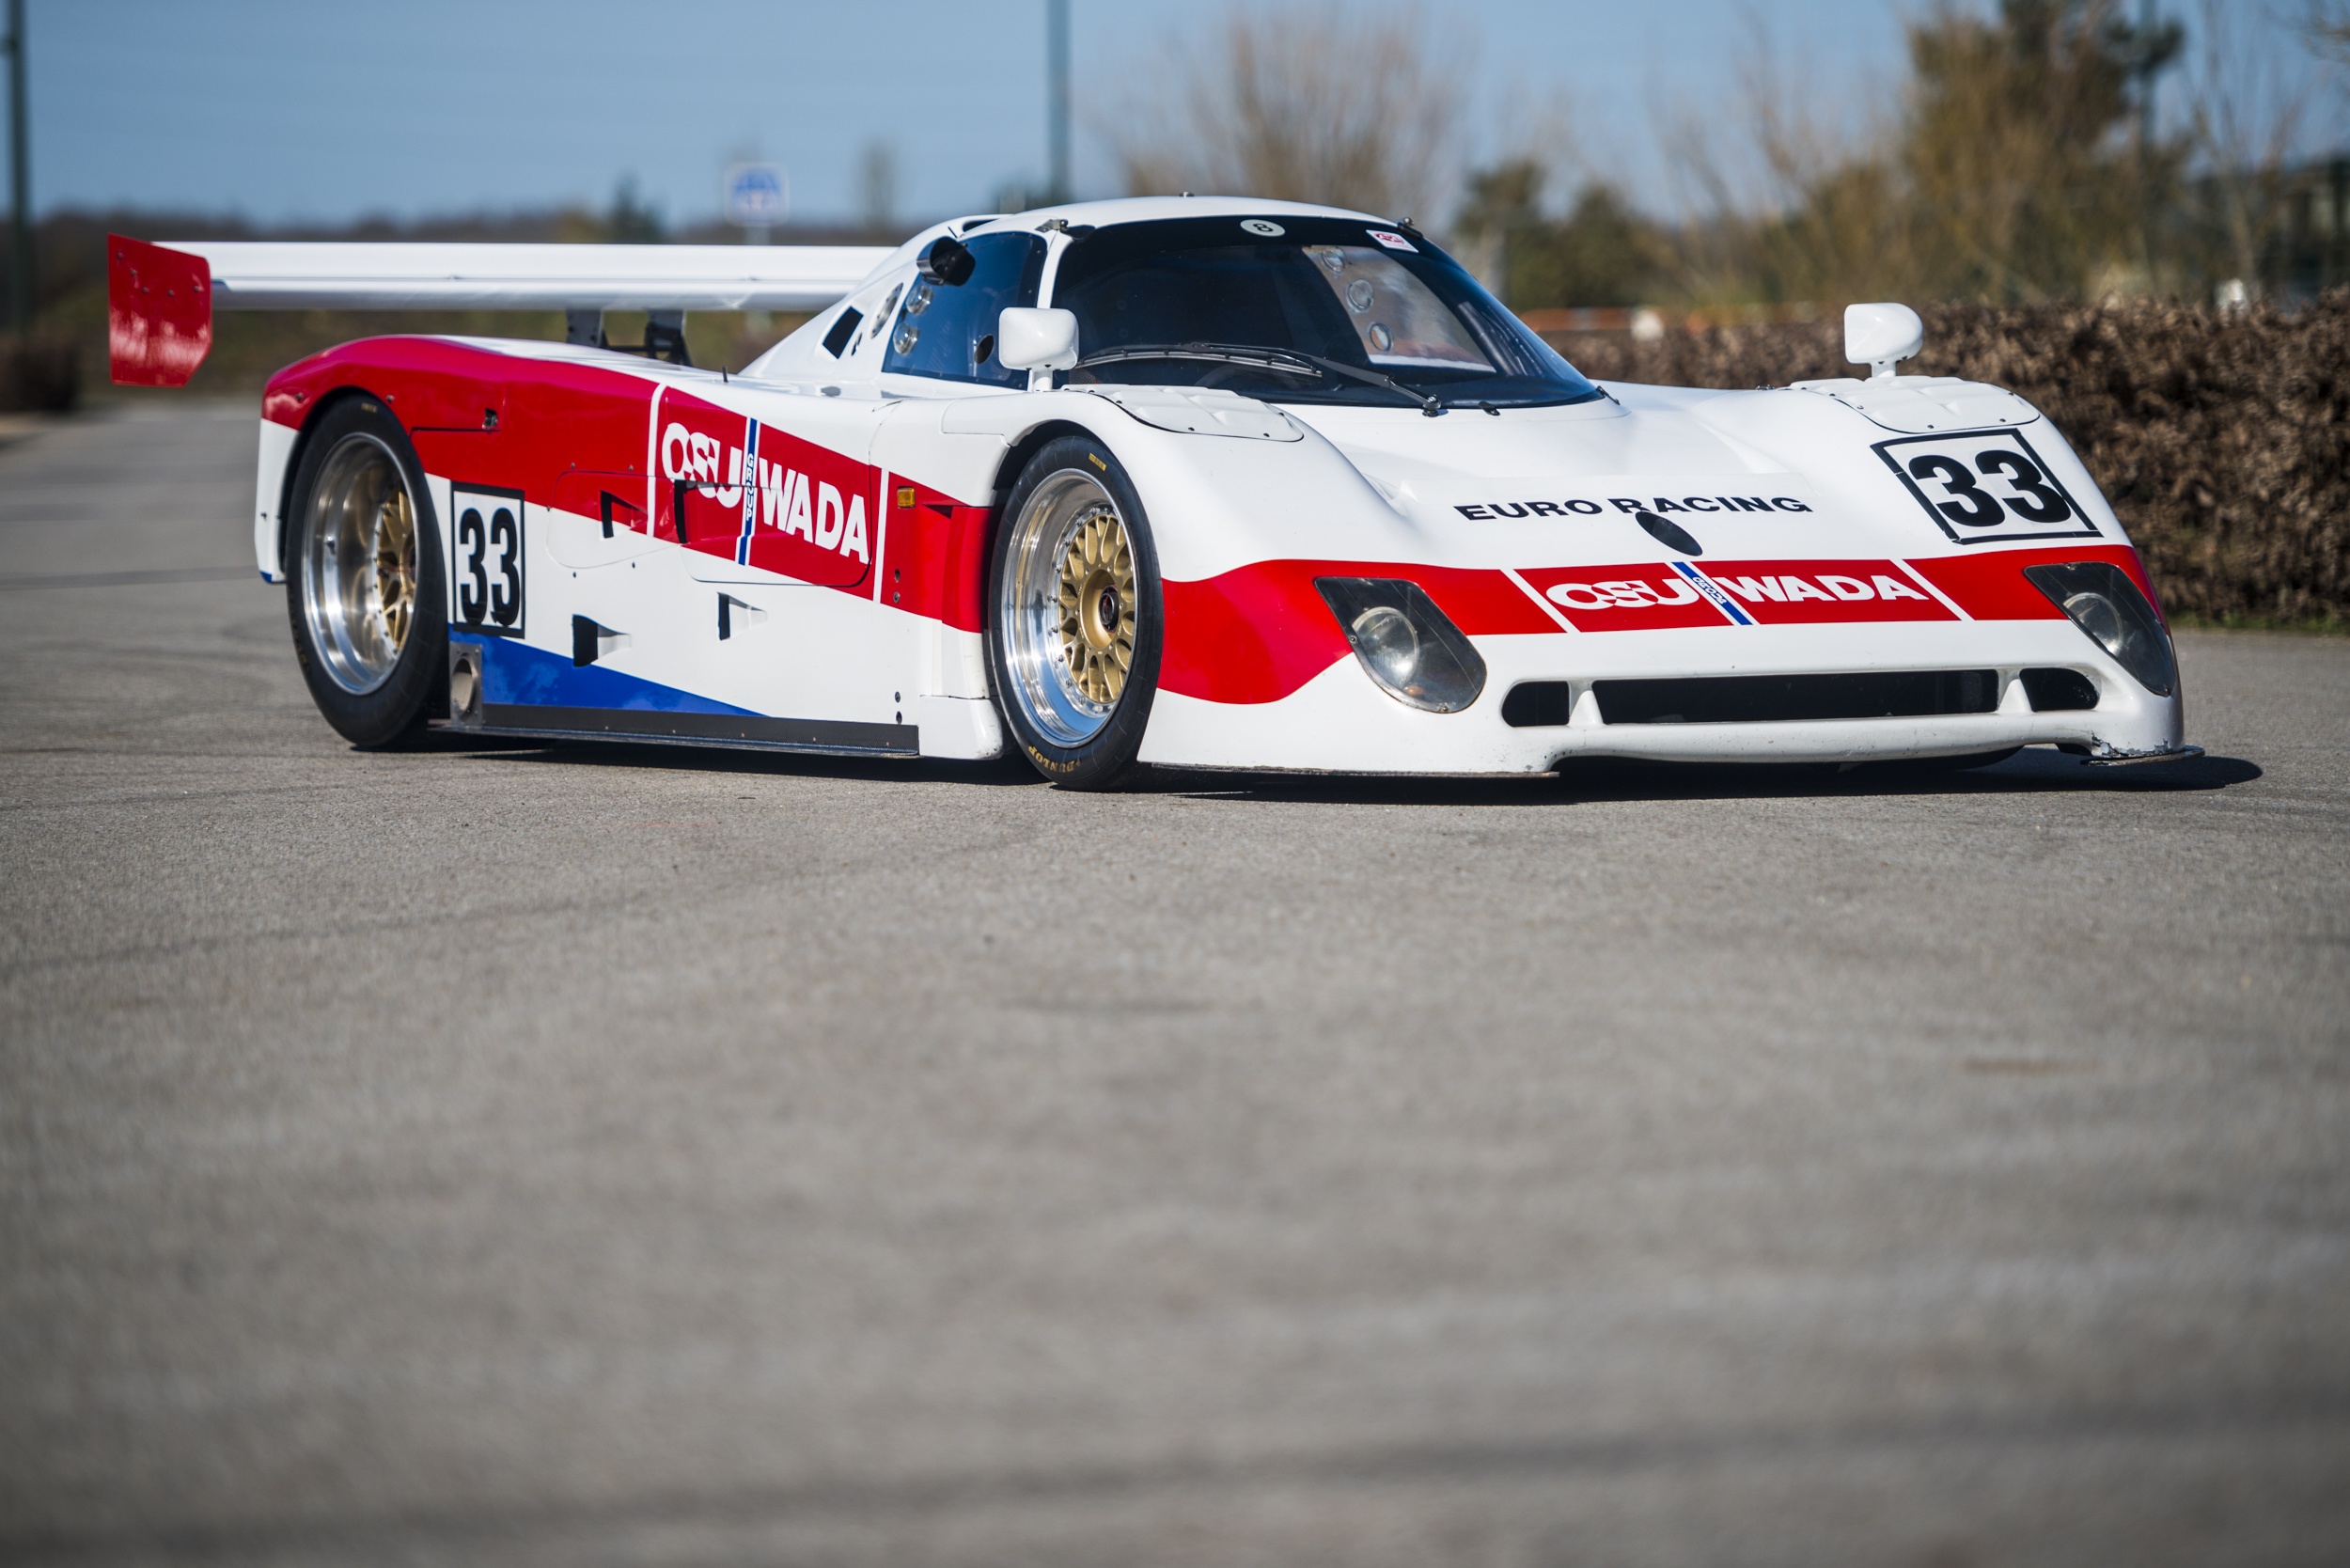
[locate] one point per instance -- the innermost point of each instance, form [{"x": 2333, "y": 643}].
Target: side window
[{"x": 950, "y": 333}]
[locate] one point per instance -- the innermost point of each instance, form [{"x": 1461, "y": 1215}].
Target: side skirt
[{"x": 732, "y": 731}]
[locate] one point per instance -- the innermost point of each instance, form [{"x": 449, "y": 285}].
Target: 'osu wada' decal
[
  {"x": 1780, "y": 593},
  {"x": 1634, "y": 597},
  {"x": 729, "y": 486},
  {"x": 1658, "y": 596}
]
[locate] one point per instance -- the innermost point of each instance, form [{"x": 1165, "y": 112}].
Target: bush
[
  {"x": 2222, "y": 441},
  {"x": 41, "y": 374}
]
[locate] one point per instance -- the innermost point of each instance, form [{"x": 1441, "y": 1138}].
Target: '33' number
[
  {"x": 2029, "y": 496},
  {"x": 489, "y": 562}
]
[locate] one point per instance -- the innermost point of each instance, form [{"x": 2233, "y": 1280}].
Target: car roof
[
  {"x": 1147, "y": 208},
  {"x": 1120, "y": 210}
]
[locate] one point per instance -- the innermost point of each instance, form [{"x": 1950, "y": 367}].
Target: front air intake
[
  {"x": 1534, "y": 703},
  {"x": 2058, "y": 690},
  {"x": 1799, "y": 698}
]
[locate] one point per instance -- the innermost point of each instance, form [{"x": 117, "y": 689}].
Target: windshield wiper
[
  {"x": 1265, "y": 359},
  {"x": 1262, "y": 359},
  {"x": 1429, "y": 402}
]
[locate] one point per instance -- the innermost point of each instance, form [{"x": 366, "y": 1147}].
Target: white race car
[{"x": 1192, "y": 482}]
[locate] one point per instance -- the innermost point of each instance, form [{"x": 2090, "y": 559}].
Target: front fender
[
  {"x": 1242, "y": 527},
  {"x": 1835, "y": 447},
  {"x": 1216, "y": 502}
]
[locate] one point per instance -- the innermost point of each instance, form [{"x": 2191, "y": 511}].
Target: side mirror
[
  {"x": 1037, "y": 340},
  {"x": 1881, "y": 335},
  {"x": 946, "y": 261}
]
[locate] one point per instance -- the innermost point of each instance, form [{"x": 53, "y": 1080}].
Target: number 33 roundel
[
  {"x": 1984, "y": 486},
  {"x": 485, "y": 561}
]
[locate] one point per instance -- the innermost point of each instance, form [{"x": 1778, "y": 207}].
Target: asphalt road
[{"x": 578, "y": 1155}]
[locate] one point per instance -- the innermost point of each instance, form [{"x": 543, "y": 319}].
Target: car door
[{"x": 781, "y": 488}]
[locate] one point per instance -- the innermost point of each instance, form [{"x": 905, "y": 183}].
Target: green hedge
[{"x": 2223, "y": 441}]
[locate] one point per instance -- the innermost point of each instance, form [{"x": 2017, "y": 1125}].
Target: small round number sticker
[{"x": 1265, "y": 226}]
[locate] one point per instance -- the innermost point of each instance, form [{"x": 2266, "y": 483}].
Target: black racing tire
[
  {"x": 373, "y": 642},
  {"x": 1075, "y": 616}
]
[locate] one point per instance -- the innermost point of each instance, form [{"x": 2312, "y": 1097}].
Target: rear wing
[{"x": 160, "y": 299}]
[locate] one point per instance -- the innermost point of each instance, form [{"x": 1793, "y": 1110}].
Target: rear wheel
[
  {"x": 1073, "y": 627},
  {"x": 363, "y": 578}
]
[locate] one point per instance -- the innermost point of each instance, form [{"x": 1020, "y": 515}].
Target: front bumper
[{"x": 1341, "y": 721}]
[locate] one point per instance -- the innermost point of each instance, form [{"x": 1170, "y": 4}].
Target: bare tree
[
  {"x": 2247, "y": 118},
  {"x": 1784, "y": 198},
  {"x": 2004, "y": 170},
  {"x": 2327, "y": 23},
  {"x": 1306, "y": 103}
]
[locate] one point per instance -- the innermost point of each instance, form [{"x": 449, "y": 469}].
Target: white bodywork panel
[{"x": 269, "y": 488}]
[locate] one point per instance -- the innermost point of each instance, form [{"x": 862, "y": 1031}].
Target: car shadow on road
[{"x": 2036, "y": 771}]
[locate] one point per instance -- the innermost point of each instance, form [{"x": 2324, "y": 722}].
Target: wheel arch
[
  {"x": 312, "y": 422},
  {"x": 1017, "y": 456}
]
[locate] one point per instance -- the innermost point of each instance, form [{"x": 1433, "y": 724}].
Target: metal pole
[
  {"x": 1057, "y": 94},
  {"x": 20, "y": 178}
]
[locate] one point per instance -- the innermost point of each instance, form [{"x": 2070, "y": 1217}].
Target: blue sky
[{"x": 323, "y": 110}]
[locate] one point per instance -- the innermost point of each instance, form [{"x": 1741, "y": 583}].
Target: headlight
[
  {"x": 2101, "y": 599},
  {"x": 1406, "y": 643},
  {"x": 1382, "y": 635}
]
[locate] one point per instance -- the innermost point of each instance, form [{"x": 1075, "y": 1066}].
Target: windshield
[{"x": 1300, "y": 310}]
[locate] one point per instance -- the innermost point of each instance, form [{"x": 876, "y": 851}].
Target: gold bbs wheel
[
  {"x": 358, "y": 566},
  {"x": 1096, "y": 597},
  {"x": 1068, "y": 611}
]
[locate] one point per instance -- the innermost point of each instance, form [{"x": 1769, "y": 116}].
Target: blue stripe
[
  {"x": 514, "y": 672},
  {"x": 1714, "y": 593},
  {"x": 750, "y": 491}
]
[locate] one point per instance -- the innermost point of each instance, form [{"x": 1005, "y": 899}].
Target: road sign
[{"x": 757, "y": 196}]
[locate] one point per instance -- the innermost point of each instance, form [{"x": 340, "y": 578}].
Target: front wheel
[
  {"x": 1074, "y": 616},
  {"x": 363, "y": 578}
]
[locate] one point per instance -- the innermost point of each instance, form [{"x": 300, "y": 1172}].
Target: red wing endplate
[{"x": 159, "y": 313}]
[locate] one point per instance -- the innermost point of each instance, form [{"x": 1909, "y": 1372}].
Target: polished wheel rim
[
  {"x": 1068, "y": 609},
  {"x": 359, "y": 564}
]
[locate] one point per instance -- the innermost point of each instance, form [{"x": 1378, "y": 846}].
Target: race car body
[{"x": 1191, "y": 482}]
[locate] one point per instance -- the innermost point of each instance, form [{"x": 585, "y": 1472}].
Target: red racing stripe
[
  {"x": 932, "y": 557},
  {"x": 1259, "y": 632},
  {"x": 1992, "y": 586}
]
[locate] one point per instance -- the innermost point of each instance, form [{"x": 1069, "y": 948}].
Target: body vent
[
  {"x": 1532, "y": 703},
  {"x": 2055, "y": 691},
  {"x": 1799, "y": 698},
  {"x": 842, "y": 330}
]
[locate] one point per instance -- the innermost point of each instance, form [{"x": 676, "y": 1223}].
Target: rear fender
[{"x": 282, "y": 449}]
